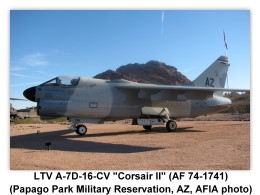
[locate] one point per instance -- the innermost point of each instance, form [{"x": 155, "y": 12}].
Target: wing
[{"x": 172, "y": 93}]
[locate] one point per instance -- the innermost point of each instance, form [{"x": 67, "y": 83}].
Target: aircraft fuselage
[
  {"x": 101, "y": 99},
  {"x": 85, "y": 100}
]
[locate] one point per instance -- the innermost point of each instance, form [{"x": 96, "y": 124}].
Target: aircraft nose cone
[{"x": 30, "y": 93}]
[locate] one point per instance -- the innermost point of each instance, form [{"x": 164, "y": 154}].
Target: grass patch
[{"x": 37, "y": 120}]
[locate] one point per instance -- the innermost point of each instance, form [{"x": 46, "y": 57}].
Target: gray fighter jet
[
  {"x": 14, "y": 115},
  {"x": 88, "y": 100}
]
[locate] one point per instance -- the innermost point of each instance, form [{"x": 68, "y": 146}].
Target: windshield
[{"x": 62, "y": 81}]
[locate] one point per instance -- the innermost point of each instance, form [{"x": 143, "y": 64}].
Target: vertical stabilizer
[{"x": 215, "y": 75}]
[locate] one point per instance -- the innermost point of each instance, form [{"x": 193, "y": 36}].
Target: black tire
[
  {"x": 171, "y": 126},
  {"x": 81, "y": 130},
  {"x": 147, "y": 127}
]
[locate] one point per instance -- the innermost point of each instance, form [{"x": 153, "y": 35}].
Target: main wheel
[
  {"x": 171, "y": 126},
  {"x": 81, "y": 129}
]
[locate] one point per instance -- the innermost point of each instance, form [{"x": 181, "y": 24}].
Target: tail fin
[{"x": 215, "y": 75}]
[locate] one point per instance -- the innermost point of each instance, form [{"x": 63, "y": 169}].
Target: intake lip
[{"x": 30, "y": 93}]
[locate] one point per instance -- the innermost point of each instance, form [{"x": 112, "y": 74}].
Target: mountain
[
  {"x": 153, "y": 72},
  {"x": 240, "y": 102}
]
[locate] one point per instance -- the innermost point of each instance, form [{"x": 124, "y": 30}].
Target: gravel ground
[{"x": 196, "y": 145}]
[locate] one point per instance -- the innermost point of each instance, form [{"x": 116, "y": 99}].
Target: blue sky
[{"x": 46, "y": 44}]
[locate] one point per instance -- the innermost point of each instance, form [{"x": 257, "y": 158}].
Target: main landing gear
[
  {"x": 147, "y": 123},
  {"x": 171, "y": 126},
  {"x": 155, "y": 116}
]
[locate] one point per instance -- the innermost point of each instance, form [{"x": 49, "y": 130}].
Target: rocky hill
[
  {"x": 241, "y": 102},
  {"x": 151, "y": 72}
]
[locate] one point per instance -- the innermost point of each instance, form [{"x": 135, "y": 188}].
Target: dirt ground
[{"x": 196, "y": 145}]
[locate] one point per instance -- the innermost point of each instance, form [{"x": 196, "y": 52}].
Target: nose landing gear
[{"x": 81, "y": 129}]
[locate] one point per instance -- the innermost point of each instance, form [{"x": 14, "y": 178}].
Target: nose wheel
[{"x": 81, "y": 129}]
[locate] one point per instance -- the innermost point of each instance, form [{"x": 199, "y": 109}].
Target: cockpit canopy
[{"x": 64, "y": 81}]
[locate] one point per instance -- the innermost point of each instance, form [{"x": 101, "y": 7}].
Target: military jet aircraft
[
  {"x": 13, "y": 112},
  {"x": 89, "y": 100}
]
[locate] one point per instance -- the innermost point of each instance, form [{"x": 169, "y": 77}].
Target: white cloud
[
  {"x": 23, "y": 84},
  {"x": 186, "y": 70},
  {"x": 36, "y": 59},
  {"x": 45, "y": 73},
  {"x": 22, "y": 75},
  {"x": 17, "y": 68}
]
